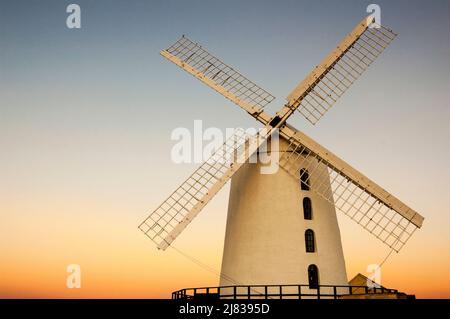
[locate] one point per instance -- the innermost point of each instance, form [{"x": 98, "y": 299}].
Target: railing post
[
  {"x": 234, "y": 292},
  {"x": 281, "y": 292},
  {"x": 318, "y": 291},
  {"x": 367, "y": 290},
  {"x": 265, "y": 292},
  {"x": 248, "y": 292},
  {"x": 335, "y": 292},
  {"x": 299, "y": 291}
]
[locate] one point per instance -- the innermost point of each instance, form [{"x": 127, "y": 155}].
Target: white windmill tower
[{"x": 282, "y": 228}]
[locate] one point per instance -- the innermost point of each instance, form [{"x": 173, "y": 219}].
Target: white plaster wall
[{"x": 264, "y": 240}]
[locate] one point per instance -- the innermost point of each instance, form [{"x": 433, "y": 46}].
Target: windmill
[{"x": 282, "y": 228}]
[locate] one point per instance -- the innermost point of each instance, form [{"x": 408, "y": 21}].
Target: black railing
[{"x": 278, "y": 292}]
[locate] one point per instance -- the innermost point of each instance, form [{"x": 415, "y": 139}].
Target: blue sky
[{"x": 105, "y": 88}]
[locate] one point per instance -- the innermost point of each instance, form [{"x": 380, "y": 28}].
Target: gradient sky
[{"x": 86, "y": 117}]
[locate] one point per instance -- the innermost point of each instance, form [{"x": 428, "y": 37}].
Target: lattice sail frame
[
  {"x": 210, "y": 68},
  {"x": 347, "y": 196},
  {"x": 332, "y": 77},
  {"x": 165, "y": 223}
]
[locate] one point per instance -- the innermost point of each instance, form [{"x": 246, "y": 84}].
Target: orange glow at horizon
[{"x": 117, "y": 261}]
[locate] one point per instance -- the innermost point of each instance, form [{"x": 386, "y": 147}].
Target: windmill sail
[
  {"x": 318, "y": 92},
  {"x": 164, "y": 224},
  {"x": 219, "y": 76},
  {"x": 352, "y": 193}
]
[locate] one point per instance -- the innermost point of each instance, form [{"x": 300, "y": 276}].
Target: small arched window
[
  {"x": 307, "y": 208},
  {"x": 313, "y": 276},
  {"x": 304, "y": 179},
  {"x": 309, "y": 241}
]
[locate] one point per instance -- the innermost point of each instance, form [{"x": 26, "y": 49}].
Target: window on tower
[
  {"x": 307, "y": 208},
  {"x": 313, "y": 276},
  {"x": 304, "y": 179},
  {"x": 309, "y": 241}
]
